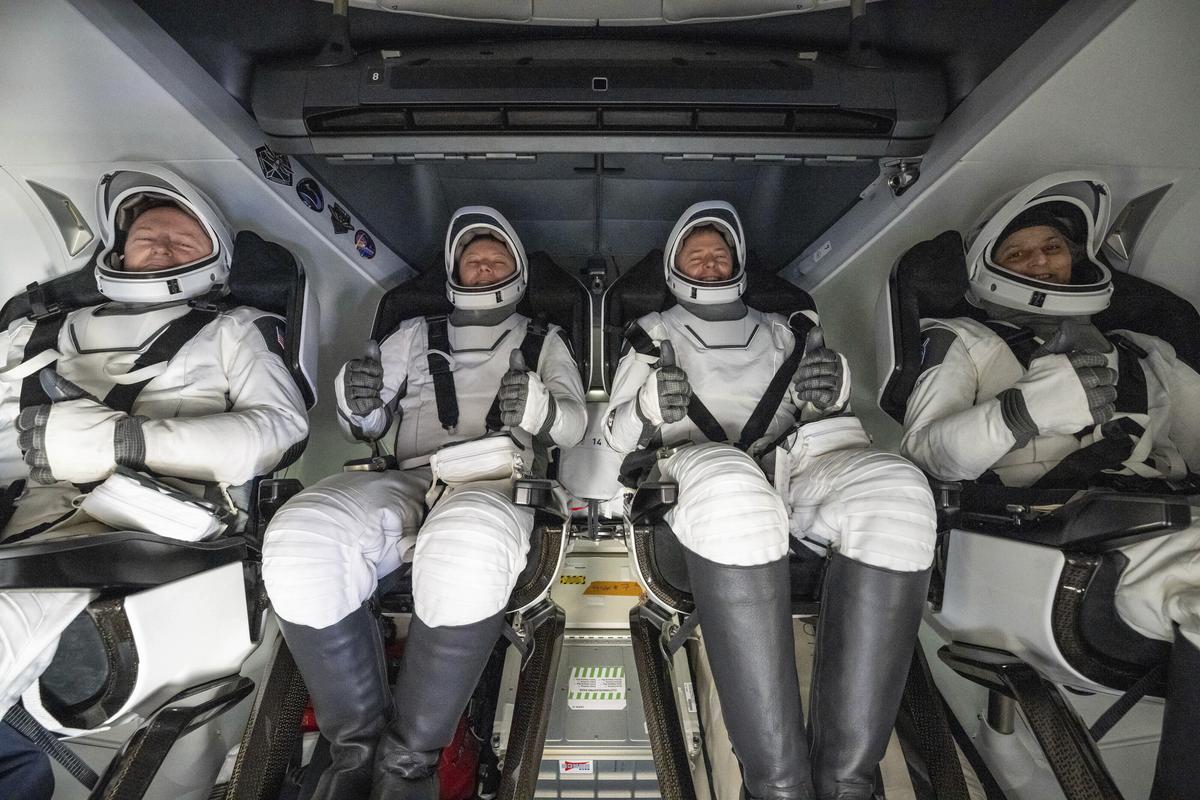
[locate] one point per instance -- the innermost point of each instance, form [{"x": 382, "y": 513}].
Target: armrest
[
  {"x": 1092, "y": 523},
  {"x": 538, "y": 493},
  {"x": 652, "y": 500},
  {"x": 112, "y": 561}
]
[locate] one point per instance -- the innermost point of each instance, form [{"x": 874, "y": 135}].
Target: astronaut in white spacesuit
[
  {"x": 731, "y": 367},
  {"x": 148, "y": 381},
  {"x": 442, "y": 380},
  {"x": 1040, "y": 397}
]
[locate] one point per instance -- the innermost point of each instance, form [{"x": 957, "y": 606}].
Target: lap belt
[
  {"x": 438, "y": 332},
  {"x": 24, "y": 723}
]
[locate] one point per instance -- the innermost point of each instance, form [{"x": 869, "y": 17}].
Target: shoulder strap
[
  {"x": 768, "y": 404},
  {"x": 164, "y": 347},
  {"x": 438, "y": 356},
  {"x": 44, "y": 337},
  {"x": 531, "y": 350},
  {"x": 1021, "y": 341},
  {"x": 1132, "y": 394}
]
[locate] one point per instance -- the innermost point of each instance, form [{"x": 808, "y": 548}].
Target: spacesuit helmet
[
  {"x": 467, "y": 224},
  {"x": 121, "y": 197},
  {"x": 722, "y": 217},
  {"x": 1075, "y": 204}
]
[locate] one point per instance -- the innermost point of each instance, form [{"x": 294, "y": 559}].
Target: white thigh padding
[
  {"x": 326, "y": 549},
  {"x": 727, "y": 512},
  {"x": 469, "y": 553},
  {"x": 873, "y": 507}
]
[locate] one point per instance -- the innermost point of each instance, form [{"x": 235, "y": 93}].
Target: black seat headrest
[
  {"x": 553, "y": 295},
  {"x": 930, "y": 281},
  {"x": 643, "y": 289}
]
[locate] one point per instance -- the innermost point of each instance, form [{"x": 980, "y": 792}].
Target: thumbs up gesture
[
  {"x": 666, "y": 393},
  {"x": 823, "y": 377},
  {"x": 363, "y": 381},
  {"x": 524, "y": 401}
]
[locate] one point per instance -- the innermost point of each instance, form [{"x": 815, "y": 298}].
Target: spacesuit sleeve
[
  {"x": 624, "y": 424},
  {"x": 1185, "y": 413},
  {"x": 12, "y": 349},
  {"x": 946, "y": 432},
  {"x": 394, "y": 354},
  {"x": 559, "y": 374},
  {"x": 266, "y": 416}
]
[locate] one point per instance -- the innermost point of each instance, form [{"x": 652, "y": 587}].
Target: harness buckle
[{"x": 38, "y": 307}]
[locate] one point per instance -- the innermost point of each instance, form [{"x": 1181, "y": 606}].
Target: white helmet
[
  {"x": 724, "y": 218},
  {"x": 467, "y": 223},
  {"x": 1076, "y": 203},
  {"x": 124, "y": 194}
]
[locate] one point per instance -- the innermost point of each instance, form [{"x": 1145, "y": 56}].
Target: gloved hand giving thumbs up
[
  {"x": 665, "y": 395},
  {"x": 823, "y": 377},
  {"x": 524, "y": 400}
]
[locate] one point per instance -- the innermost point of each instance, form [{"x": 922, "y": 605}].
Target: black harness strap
[
  {"x": 1132, "y": 395},
  {"x": 44, "y": 337},
  {"x": 531, "y": 351},
  {"x": 697, "y": 412},
  {"x": 164, "y": 347},
  {"x": 437, "y": 330},
  {"x": 1021, "y": 341},
  {"x": 25, "y": 724},
  {"x": 768, "y": 404}
]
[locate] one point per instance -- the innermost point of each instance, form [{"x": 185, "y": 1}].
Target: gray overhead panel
[
  {"x": 590, "y": 13},
  {"x": 589, "y": 96}
]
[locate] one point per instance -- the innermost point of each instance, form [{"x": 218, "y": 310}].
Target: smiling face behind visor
[
  {"x": 1036, "y": 251},
  {"x": 705, "y": 259}
]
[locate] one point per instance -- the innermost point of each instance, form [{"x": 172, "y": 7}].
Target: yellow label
[
  {"x": 614, "y": 588},
  {"x": 572, "y": 579}
]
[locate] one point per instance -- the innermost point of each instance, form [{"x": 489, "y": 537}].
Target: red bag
[{"x": 459, "y": 764}]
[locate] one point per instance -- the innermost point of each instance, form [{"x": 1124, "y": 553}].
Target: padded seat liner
[{"x": 114, "y": 561}]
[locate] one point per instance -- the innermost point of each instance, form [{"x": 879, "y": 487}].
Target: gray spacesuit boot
[
  {"x": 866, "y": 633},
  {"x": 344, "y": 669},
  {"x": 439, "y": 672},
  {"x": 1177, "y": 773},
  {"x": 746, "y": 619}
]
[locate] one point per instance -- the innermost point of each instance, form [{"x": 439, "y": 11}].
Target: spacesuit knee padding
[
  {"x": 879, "y": 511},
  {"x": 325, "y": 549},
  {"x": 469, "y": 553},
  {"x": 727, "y": 512}
]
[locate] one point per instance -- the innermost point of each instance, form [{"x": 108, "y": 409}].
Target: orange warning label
[{"x": 614, "y": 588}]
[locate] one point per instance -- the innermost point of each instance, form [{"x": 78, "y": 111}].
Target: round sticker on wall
[
  {"x": 310, "y": 194},
  {"x": 364, "y": 243}
]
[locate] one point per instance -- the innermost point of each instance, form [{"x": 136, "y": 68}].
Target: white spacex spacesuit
[
  {"x": 745, "y": 383},
  {"x": 172, "y": 377},
  {"x": 327, "y": 548},
  {"x": 960, "y": 420}
]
